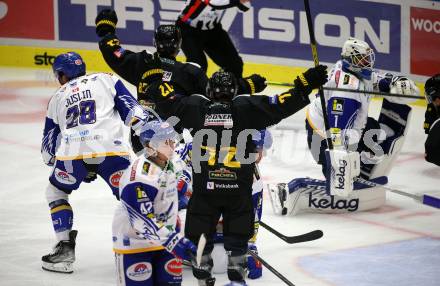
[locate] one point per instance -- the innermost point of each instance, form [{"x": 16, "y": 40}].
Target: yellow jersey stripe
[
  {"x": 138, "y": 250},
  {"x": 93, "y": 155}
]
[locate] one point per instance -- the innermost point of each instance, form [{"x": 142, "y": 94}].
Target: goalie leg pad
[
  {"x": 393, "y": 120},
  {"x": 309, "y": 195}
]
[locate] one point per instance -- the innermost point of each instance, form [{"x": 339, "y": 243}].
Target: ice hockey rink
[{"x": 397, "y": 244}]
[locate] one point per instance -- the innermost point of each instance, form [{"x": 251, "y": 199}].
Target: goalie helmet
[
  {"x": 432, "y": 88},
  {"x": 69, "y": 64},
  {"x": 222, "y": 86},
  {"x": 158, "y": 137},
  {"x": 358, "y": 57},
  {"x": 167, "y": 40}
]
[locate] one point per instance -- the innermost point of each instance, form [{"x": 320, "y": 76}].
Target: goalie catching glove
[
  {"x": 342, "y": 168},
  {"x": 402, "y": 85},
  {"x": 106, "y": 22}
]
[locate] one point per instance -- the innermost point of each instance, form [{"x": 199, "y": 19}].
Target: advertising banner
[
  {"x": 425, "y": 41},
  {"x": 269, "y": 28},
  {"x": 27, "y": 19}
]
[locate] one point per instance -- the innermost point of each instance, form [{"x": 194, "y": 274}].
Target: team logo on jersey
[
  {"x": 219, "y": 120},
  {"x": 64, "y": 177},
  {"x": 222, "y": 174},
  {"x": 333, "y": 203},
  {"x": 141, "y": 195},
  {"x": 210, "y": 185},
  {"x": 167, "y": 76},
  {"x": 140, "y": 271},
  {"x": 174, "y": 267},
  {"x": 115, "y": 177},
  {"x": 338, "y": 105}
]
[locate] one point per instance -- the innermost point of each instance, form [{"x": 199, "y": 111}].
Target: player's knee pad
[
  {"x": 204, "y": 270},
  {"x": 237, "y": 267},
  {"x": 54, "y": 194},
  {"x": 60, "y": 211},
  {"x": 254, "y": 266}
]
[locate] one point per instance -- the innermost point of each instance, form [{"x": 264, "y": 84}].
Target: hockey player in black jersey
[
  {"x": 432, "y": 120},
  {"x": 186, "y": 78},
  {"x": 223, "y": 156},
  {"x": 202, "y": 32}
]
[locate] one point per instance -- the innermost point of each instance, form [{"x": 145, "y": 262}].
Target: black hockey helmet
[
  {"x": 222, "y": 86},
  {"x": 432, "y": 88},
  {"x": 167, "y": 40}
]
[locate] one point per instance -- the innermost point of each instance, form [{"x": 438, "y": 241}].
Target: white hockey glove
[
  {"x": 402, "y": 85},
  {"x": 342, "y": 168}
]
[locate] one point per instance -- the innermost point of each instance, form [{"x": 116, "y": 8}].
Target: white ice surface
[{"x": 398, "y": 244}]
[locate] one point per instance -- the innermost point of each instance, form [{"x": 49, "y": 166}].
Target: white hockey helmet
[{"x": 358, "y": 57}]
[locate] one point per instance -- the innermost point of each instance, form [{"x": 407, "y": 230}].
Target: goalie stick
[
  {"x": 309, "y": 236},
  {"x": 423, "y": 198},
  {"x": 271, "y": 269},
  {"x": 378, "y": 93}
]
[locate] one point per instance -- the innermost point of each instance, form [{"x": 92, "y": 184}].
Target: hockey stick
[
  {"x": 316, "y": 60},
  {"x": 271, "y": 269},
  {"x": 200, "y": 247},
  {"x": 378, "y": 93},
  {"x": 423, "y": 198},
  {"x": 309, "y": 236}
]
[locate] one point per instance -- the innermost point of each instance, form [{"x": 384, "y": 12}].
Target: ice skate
[
  {"x": 62, "y": 257},
  {"x": 278, "y": 197}
]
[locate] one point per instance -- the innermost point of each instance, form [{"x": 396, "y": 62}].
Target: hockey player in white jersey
[
  {"x": 362, "y": 145},
  {"x": 83, "y": 136},
  {"x": 146, "y": 235}
]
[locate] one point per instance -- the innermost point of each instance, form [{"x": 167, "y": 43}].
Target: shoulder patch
[
  {"x": 346, "y": 79},
  {"x": 146, "y": 168},
  {"x": 338, "y": 105}
]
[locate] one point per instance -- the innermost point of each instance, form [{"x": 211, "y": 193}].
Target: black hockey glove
[
  {"x": 153, "y": 69},
  {"x": 256, "y": 83},
  {"x": 106, "y": 22},
  {"x": 311, "y": 79},
  {"x": 91, "y": 176}
]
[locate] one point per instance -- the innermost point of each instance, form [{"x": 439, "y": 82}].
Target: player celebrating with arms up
[{"x": 83, "y": 136}]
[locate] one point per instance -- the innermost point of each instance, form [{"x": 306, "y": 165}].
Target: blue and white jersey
[
  {"x": 84, "y": 118},
  {"x": 147, "y": 214},
  {"x": 347, "y": 111}
]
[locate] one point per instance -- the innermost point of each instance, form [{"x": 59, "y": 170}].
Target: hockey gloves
[
  {"x": 311, "y": 79},
  {"x": 91, "y": 176},
  {"x": 180, "y": 246},
  {"x": 106, "y": 22},
  {"x": 153, "y": 69},
  {"x": 342, "y": 168},
  {"x": 405, "y": 86},
  {"x": 256, "y": 83}
]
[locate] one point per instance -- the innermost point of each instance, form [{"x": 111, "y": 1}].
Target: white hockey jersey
[
  {"x": 84, "y": 118},
  {"x": 347, "y": 112},
  {"x": 147, "y": 215}
]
